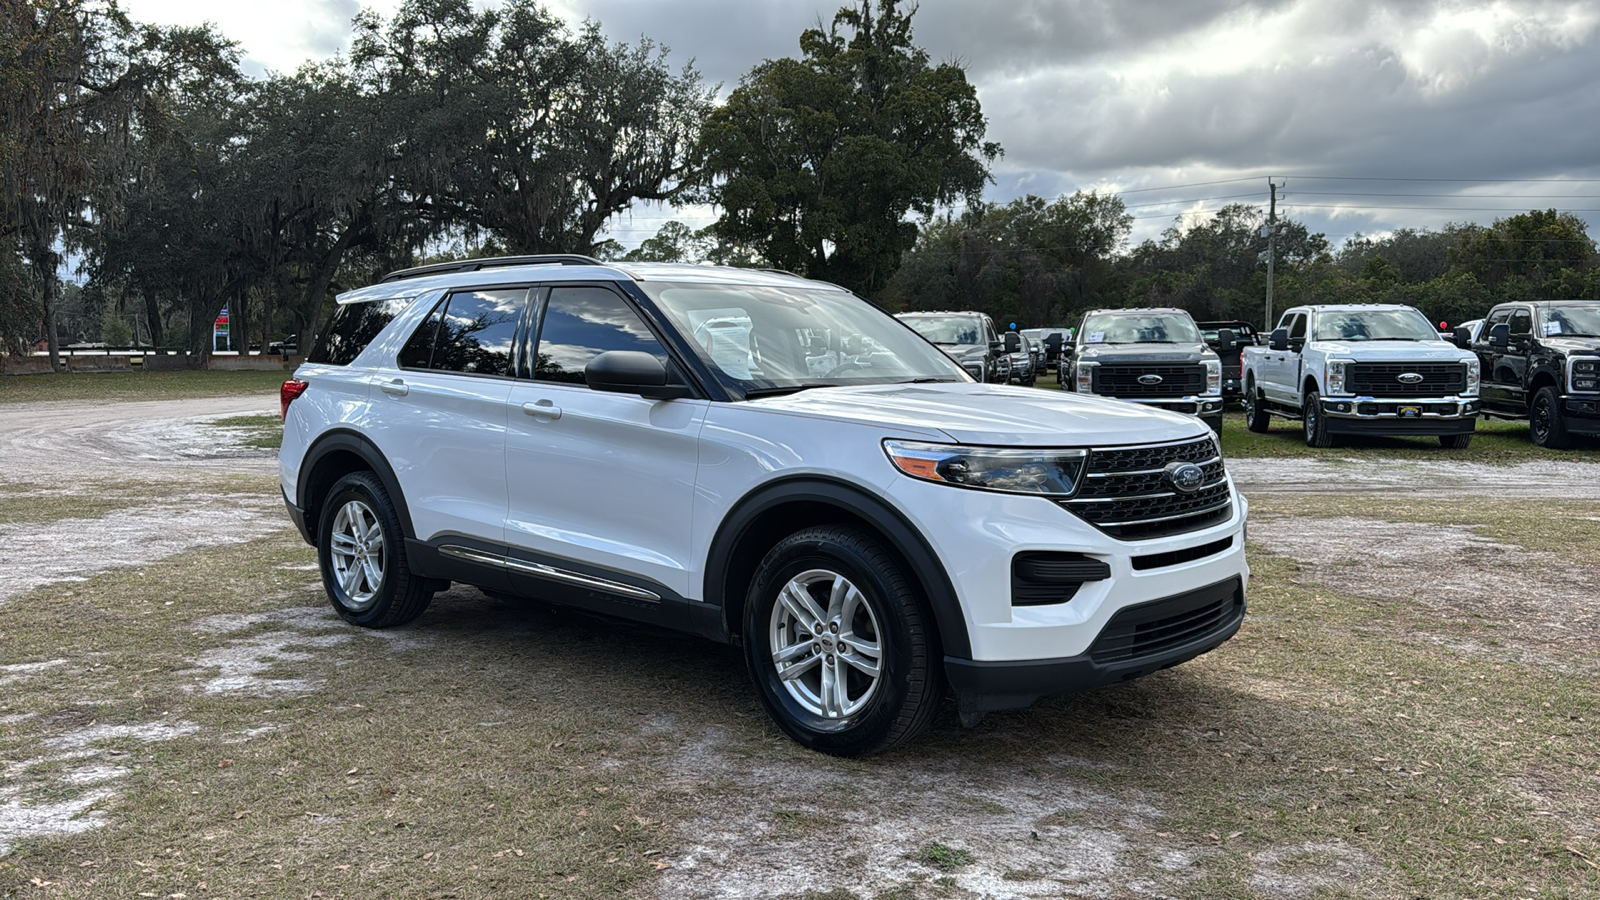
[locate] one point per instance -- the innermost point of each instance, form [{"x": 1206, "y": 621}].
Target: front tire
[
  {"x": 361, "y": 550},
  {"x": 1214, "y": 423},
  {"x": 1455, "y": 441},
  {"x": 1545, "y": 424},
  {"x": 1316, "y": 425},
  {"x": 839, "y": 645}
]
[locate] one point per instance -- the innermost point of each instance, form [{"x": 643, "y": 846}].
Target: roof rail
[{"x": 495, "y": 262}]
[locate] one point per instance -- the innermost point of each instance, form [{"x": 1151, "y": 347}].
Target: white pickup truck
[{"x": 1344, "y": 370}]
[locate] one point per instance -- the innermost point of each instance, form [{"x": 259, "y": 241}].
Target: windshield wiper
[
  {"x": 927, "y": 380},
  {"x": 753, "y": 393}
]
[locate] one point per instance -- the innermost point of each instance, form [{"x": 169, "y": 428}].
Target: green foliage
[
  {"x": 1030, "y": 261},
  {"x": 817, "y": 162}
]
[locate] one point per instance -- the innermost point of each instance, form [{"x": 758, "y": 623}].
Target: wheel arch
[
  {"x": 331, "y": 457},
  {"x": 1542, "y": 379},
  {"x": 774, "y": 511}
]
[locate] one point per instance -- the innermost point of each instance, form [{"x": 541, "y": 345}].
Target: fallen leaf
[
  {"x": 353, "y": 771},
  {"x": 428, "y": 855},
  {"x": 661, "y": 864},
  {"x": 224, "y": 763}
]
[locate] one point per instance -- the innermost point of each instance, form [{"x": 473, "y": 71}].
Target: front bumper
[
  {"x": 1203, "y": 405},
  {"x": 1401, "y": 415},
  {"x": 1137, "y": 641},
  {"x": 1581, "y": 414}
]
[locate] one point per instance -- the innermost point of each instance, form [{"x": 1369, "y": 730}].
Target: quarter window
[
  {"x": 353, "y": 327},
  {"x": 581, "y": 323},
  {"x": 1297, "y": 327}
]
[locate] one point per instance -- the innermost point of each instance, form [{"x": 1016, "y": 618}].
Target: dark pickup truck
[
  {"x": 1541, "y": 364},
  {"x": 1232, "y": 355},
  {"x": 1150, "y": 356}
]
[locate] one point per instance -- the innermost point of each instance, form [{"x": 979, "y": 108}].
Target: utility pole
[{"x": 1272, "y": 247}]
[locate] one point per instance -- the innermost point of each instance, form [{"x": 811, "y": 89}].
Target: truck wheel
[
  {"x": 1455, "y": 441},
  {"x": 839, "y": 645},
  {"x": 1255, "y": 412},
  {"x": 1214, "y": 423},
  {"x": 1545, "y": 424},
  {"x": 1315, "y": 423},
  {"x": 362, "y": 554}
]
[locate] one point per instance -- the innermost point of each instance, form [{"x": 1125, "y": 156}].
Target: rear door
[
  {"x": 601, "y": 485},
  {"x": 441, "y": 416},
  {"x": 1497, "y": 378}
]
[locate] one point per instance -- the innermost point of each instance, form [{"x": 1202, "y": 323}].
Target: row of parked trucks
[{"x": 1337, "y": 370}]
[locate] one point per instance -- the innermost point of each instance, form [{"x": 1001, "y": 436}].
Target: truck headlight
[
  {"x": 1213, "y": 376},
  {"x": 1334, "y": 380},
  {"x": 1474, "y": 376},
  {"x": 1585, "y": 375},
  {"x": 1048, "y": 472},
  {"x": 1086, "y": 377}
]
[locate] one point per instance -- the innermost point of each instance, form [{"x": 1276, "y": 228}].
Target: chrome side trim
[{"x": 543, "y": 571}]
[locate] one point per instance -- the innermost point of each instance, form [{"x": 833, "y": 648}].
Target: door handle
[
  {"x": 395, "y": 388},
  {"x": 543, "y": 408}
]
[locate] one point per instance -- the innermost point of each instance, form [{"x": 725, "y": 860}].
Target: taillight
[{"x": 286, "y": 394}]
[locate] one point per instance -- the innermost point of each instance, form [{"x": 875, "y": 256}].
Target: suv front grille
[
  {"x": 1119, "y": 380},
  {"x": 1124, "y": 493},
  {"x": 1383, "y": 379}
]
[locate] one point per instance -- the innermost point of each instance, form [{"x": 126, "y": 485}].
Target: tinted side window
[
  {"x": 581, "y": 323},
  {"x": 1521, "y": 322},
  {"x": 353, "y": 327},
  {"x": 477, "y": 332}
]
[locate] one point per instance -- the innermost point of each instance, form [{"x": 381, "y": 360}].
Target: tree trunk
[
  {"x": 152, "y": 314},
  {"x": 52, "y": 340},
  {"x": 322, "y": 275}
]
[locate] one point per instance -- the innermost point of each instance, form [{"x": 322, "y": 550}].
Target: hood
[
  {"x": 991, "y": 414},
  {"x": 1583, "y": 346},
  {"x": 1146, "y": 352},
  {"x": 962, "y": 351},
  {"x": 1396, "y": 351}
]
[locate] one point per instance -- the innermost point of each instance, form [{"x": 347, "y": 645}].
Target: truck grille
[
  {"x": 1383, "y": 379},
  {"x": 1124, "y": 493},
  {"x": 1117, "y": 380}
]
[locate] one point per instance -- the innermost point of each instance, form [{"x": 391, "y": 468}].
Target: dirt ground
[{"x": 753, "y": 826}]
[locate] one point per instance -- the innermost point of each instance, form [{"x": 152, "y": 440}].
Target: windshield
[
  {"x": 947, "y": 330},
  {"x": 766, "y": 339},
  {"x": 1373, "y": 325},
  {"x": 1141, "y": 328},
  {"x": 1570, "y": 320}
]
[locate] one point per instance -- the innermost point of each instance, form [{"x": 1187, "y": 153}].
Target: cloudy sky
[{"x": 1372, "y": 115}]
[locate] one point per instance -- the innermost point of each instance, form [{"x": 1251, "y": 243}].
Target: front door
[{"x": 601, "y": 484}]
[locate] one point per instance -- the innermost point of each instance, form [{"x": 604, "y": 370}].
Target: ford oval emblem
[
  {"x": 1184, "y": 477},
  {"x": 1149, "y": 379},
  {"x": 1409, "y": 378}
]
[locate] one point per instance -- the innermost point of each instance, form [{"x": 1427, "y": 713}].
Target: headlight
[
  {"x": 1086, "y": 377},
  {"x": 1585, "y": 375},
  {"x": 1043, "y": 471},
  {"x": 1213, "y": 376},
  {"x": 1335, "y": 376},
  {"x": 1474, "y": 375}
]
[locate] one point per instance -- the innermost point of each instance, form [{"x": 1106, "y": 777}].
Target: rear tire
[
  {"x": 1255, "y": 412},
  {"x": 362, "y": 553},
  {"x": 1455, "y": 441},
  {"x": 1545, "y": 424},
  {"x": 839, "y": 644},
  {"x": 1316, "y": 424}
]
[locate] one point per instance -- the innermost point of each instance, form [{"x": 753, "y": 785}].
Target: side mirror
[
  {"x": 1226, "y": 342},
  {"x": 633, "y": 372},
  {"x": 1500, "y": 336},
  {"x": 1012, "y": 342},
  {"x": 1462, "y": 337},
  {"x": 1279, "y": 339}
]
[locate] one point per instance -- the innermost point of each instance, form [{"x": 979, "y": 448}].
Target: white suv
[{"x": 762, "y": 460}]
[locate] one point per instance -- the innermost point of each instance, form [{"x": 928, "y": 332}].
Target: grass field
[
  {"x": 231, "y": 737},
  {"x": 137, "y": 386}
]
